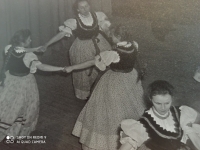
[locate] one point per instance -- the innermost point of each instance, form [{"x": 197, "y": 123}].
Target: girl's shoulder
[
  {"x": 7, "y": 48},
  {"x": 101, "y": 16}
]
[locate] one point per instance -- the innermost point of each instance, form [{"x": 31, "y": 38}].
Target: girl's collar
[
  {"x": 125, "y": 44},
  {"x": 19, "y": 49},
  {"x": 165, "y": 116},
  {"x": 125, "y": 47}
]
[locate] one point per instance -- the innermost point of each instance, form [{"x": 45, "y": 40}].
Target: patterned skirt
[
  {"x": 19, "y": 105},
  {"x": 81, "y": 51},
  {"x": 117, "y": 96}
]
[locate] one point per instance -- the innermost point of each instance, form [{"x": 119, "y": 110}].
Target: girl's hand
[
  {"x": 68, "y": 69},
  {"x": 38, "y": 49},
  {"x": 41, "y": 49}
]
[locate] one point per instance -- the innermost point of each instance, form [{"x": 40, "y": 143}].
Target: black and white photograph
[{"x": 99, "y": 75}]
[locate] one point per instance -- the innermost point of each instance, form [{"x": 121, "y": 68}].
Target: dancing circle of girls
[{"x": 106, "y": 72}]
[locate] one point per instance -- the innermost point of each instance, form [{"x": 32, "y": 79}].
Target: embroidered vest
[
  {"x": 161, "y": 139},
  {"x": 16, "y": 65},
  {"x": 84, "y": 32}
]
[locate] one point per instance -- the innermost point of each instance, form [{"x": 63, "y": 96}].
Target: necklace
[{"x": 159, "y": 116}]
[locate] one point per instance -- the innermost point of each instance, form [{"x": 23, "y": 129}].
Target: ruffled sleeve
[
  {"x": 7, "y": 48},
  {"x": 31, "y": 61},
  {"x": 105, "y": 58},
  {"x": 103, "y": 21},
  {"x": 68, "y": 26},
  {"x": 191, "y": 130},
  {"x": 133, "y": 132},
  {"x": 101, "y": 16}
]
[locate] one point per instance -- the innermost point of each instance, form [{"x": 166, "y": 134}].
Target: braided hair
[{"x": 18, "y": 38}]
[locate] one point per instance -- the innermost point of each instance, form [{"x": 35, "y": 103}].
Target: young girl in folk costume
[
  {"x": 117, "y": 95},
  {"x": 19, "y": 99},
  {"x": 90, "y": 41},
  {"x": 163, "y": 126}
]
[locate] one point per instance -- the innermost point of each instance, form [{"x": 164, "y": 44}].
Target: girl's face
[
  {"x": 83, "y": 8},
  {"x": 27, "y": 42},
  {"x": 162, "y": 103}
]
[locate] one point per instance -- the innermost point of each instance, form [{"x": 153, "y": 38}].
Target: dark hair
[
  {"x": 122, "y": 31},
  {"x": 160, "y": 87},
  {"x": 18, "y": 38},
  {"x": 75, "y": 6}
]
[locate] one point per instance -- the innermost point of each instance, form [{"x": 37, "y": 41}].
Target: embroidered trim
[
  {"x": 19, "y": 50},
  {"x": 19, "y": 55},
  {"x": 162, "y": 135}
]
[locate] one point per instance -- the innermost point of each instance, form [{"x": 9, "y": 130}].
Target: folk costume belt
[
  {"x": 19, "y": 74},
  {"x": 122, "y": 71}
]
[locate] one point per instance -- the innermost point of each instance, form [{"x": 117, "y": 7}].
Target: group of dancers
[{"x": 106, "y": 72}]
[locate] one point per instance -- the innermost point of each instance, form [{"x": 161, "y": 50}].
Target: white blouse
[
  {"x": 135, "y": 133},
  {"x": 30, "y": 59},
  {"x": 105, "y": 58},
  {"x": 71, "y": 24}
]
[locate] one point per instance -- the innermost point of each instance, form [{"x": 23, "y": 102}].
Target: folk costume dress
[
  {"x": 162, "y": 132},
  {"x": 116, "y": 96},
  {"x": 19, "y": 98},
  {"x": 90, "y": 42}
]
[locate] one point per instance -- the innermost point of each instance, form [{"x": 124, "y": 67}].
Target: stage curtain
[{"x": 42, "y": 17}]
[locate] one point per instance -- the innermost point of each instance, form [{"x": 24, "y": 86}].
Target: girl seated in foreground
[{"x": 163, "y": 126}]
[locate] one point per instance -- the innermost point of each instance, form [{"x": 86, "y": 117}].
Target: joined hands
[
  {"x": 68, "y": 69},
  {"x": 41, "y": 49}
]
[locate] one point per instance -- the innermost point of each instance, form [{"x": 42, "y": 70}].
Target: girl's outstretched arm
[
  {"x": 36, "y": 49},
  {"x": 101, "y": 61},
  {"x": 56, "y": 38},
  {"x": 45, "y": 67}
]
